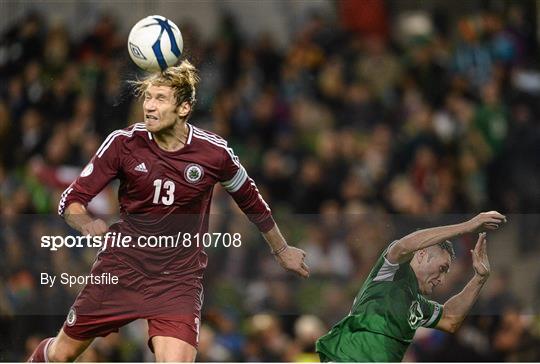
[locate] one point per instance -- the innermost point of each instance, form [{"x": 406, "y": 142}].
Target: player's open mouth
[{"x": 151, "y": 117}]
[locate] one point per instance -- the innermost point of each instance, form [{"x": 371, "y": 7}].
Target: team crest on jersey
[
  {"x": 193, "y": 173},
  {"x": 415, "y": 315},
  {"x": 71, "y": 317}
]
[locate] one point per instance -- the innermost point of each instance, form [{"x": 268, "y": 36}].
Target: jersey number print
[{"x": 168, "y": 196}]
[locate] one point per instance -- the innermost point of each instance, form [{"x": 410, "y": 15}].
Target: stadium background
[{"x": 359, "y": 120}]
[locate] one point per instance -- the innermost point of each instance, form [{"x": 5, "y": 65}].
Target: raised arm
[
  {"x": 404, "y": 249},
  {"x": 456, "y": 308}
]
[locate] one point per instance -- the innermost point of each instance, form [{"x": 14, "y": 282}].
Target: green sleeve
[{"x": 433, "y": 312}]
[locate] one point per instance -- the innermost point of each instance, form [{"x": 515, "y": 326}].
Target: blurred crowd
[{"x": 362, "y": 129}]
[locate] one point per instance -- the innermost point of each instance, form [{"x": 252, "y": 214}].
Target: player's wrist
[
  {"x": 280, "y": 250},
  {"x": 481, "y": 277},
  {"x": 468, "y": 226}
]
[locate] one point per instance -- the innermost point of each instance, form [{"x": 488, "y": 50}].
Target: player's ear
[
  {"x": 184, "y": 109},
  {"x": 420, "y": 255}
]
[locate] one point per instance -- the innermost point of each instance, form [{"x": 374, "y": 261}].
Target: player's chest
[{"x": 166, "y": 181}]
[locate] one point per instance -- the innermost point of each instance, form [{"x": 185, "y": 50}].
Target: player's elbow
[
  {"x": 74, "y": 208},
  {"x": 399, "y": 252},
  {"x": 449, "y": 324},
  {"x": 451, "y": 329}
]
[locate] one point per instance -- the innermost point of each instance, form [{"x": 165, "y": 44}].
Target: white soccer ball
[{"x": 155, "y": 43}]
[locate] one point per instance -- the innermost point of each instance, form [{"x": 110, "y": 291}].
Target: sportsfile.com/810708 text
[{"x": 119, "y": 240}]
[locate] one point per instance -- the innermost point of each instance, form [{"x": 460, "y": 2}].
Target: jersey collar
[
  {"x": 190, "y": 134},
  {"x": 189, "y": 137}
]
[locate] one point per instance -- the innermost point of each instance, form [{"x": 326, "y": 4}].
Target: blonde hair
[{"x": 183, "y": 79}]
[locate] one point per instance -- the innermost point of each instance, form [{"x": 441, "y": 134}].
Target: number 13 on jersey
[{"x": 168, "y": 196}]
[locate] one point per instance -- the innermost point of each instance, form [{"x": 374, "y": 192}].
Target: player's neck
[{"x": 173, "y": 138}]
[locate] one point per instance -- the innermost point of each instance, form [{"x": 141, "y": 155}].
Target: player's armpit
[{"x": 397, "y": 254}]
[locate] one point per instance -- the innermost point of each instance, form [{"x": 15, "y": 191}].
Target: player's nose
[{"x": 149, "y": 105}]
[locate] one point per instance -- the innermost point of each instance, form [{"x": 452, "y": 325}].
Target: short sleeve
[
  {"x": 96, "y": 175},
  {"x": 432, "y": 312},
  {"x": 233, "y": 174},
  {"x": 388, "y": 270},
  {"x": 243, "y": 190}
]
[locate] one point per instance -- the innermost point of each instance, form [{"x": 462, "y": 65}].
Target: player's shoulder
[
  {"x": 207, "y": 138},
  {"x": 122, "y": 136},
  {"x": 384, "y": 270},
  {"x": 134, "y": 129},
  {"x": 212, "y": 146},
  {"x": 130, "y": 131}
]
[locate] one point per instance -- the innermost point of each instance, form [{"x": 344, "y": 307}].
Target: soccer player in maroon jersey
[{"x": 167, "y": 170}]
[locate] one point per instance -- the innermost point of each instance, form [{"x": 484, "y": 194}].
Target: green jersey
[{"x": 384, "y": 317}]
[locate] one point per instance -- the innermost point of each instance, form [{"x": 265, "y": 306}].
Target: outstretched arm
[
  {"x": 456, "y": 308},
  {"x": 404, "y": 249},
  {"x": 244, "y": 191}
]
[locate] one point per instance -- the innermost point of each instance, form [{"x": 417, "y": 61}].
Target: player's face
[
  {"x": 433, "y": 269},
  {"x": 160, "y": 109}
]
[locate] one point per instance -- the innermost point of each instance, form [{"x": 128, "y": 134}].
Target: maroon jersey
[{"x": 164, "y": 193}]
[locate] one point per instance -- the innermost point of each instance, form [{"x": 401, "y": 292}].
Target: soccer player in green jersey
[{"x": 391, "y": 304}]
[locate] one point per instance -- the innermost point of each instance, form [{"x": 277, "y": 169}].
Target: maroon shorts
[{"x": 171, "y": 304}]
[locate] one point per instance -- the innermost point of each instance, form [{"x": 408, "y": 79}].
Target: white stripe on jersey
[
  {"x": 237, "y": 181},
  {"x": 258, "y": 193},
  {"x": 46, "y": 348},
  {"x": 436, "y": 313},
  {"x": 136, "y": 125},
  {"x": 107, "y": 143},
  {"x": 63, "y": 197},
  {"x": 238, "y": 177},
  {"x": 388, "y": 270},
  {"x": 190, "y": 133},
  {"x": 234, "y": 158},
  {"x": 218, "y": 139},
  {"x": 104, "y": 146}
]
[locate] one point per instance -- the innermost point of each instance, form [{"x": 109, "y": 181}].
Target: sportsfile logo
[{"x": 119, "y": 240}]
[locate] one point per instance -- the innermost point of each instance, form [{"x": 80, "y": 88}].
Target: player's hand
[
  {"x": 480, "y": 257},
  {"x": 485, "y": 221},
  {"x": 95, "y": 227},
  {"x": 292, "y": 259}
]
